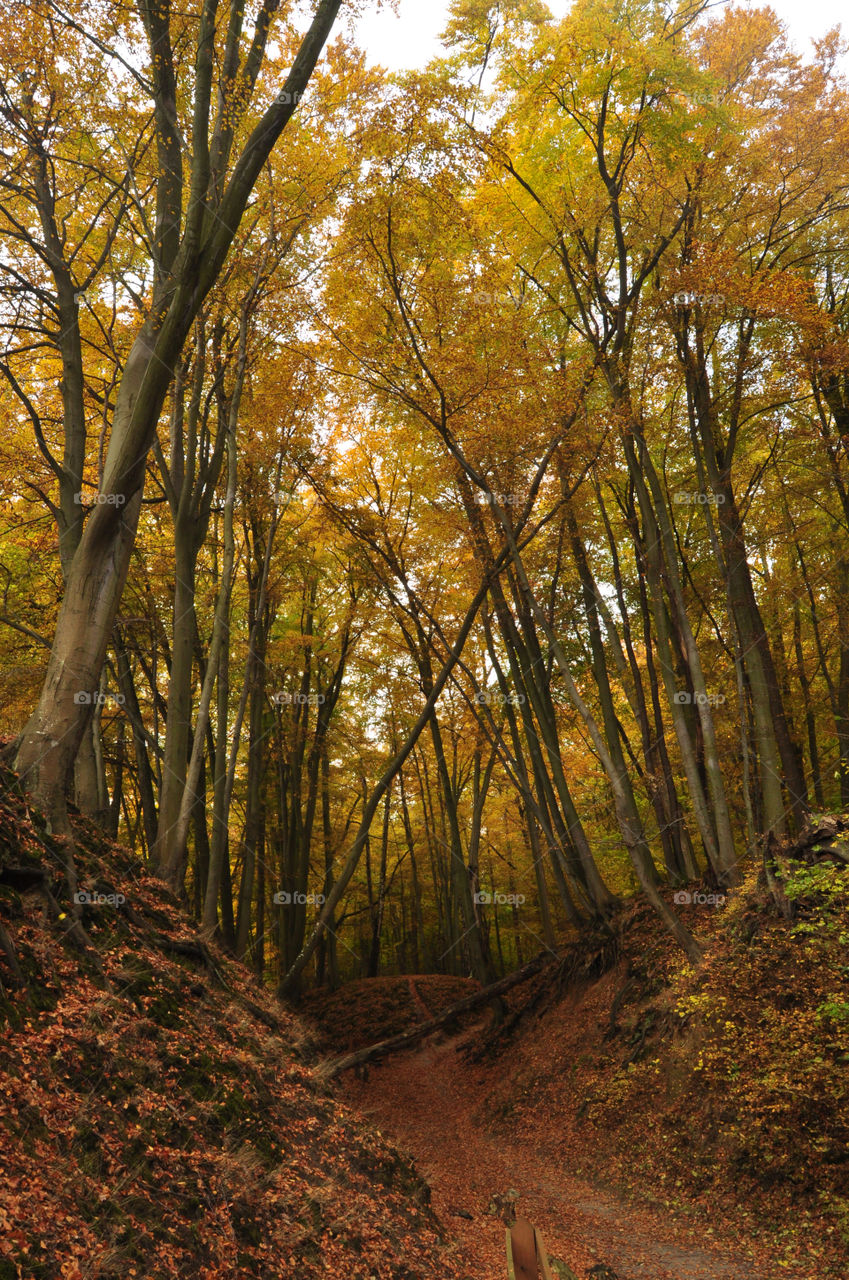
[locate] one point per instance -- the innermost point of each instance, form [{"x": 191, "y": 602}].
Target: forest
[{"x": 424, "y": 519}]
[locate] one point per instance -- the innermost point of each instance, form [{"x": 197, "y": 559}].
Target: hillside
[
  {"x": 714, "y": 1101},
  {"x": 158, "y": 1116},
  {"x": 161, "y": 1116}
]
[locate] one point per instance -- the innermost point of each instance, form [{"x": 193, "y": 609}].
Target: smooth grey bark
[
  {"x": 290, "y": 983},
  {"x": 629, "y": 821},
  {"x": 531, "y": 683},
  {"x": 327, "y": 965},
  {"x": 602, "y": 681},
  {"x": 189, "y": 479},
  {"x": 189, "y": 258},
  {"x": 536, "y": 810},
  {"x": 661, "y": 557},
  {"x": 831, "y": 393},
  {"x": 299, "y": 772},
  {"x": 777, "y": 750},
  {"x": 217, "y": 669},
  {"x": 144, "y": 773},
  {"x": 417, "y": 930},
  {"x": 675, "y": 838},
  {"x": 253, "y": 837},
  {"x": 378, "y": 904}
]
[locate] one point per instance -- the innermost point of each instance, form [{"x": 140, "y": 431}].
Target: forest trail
[
  {"x": 429, "y": 1103},
  {"x": 425, "y": 1013}
]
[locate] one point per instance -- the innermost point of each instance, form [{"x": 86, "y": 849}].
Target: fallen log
[{"x": 332, "y": 1066}]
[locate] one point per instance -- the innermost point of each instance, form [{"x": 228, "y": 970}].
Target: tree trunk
[{"x": 186, "y": 272}]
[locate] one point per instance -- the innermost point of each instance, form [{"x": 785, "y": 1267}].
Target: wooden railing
[{"x": 526, "y": 1255}]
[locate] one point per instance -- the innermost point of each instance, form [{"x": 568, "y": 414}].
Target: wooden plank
[
  {"x": 523, "y": 1241},
  {"x": 542, "y": 1257},
  {"x": 511, "y": 1270}
]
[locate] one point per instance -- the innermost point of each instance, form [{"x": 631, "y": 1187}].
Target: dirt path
[
  {"x": 429, "y": 1103},
  {"x": 424, "y": 1012}
]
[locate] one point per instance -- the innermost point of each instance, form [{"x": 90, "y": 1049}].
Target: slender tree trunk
[
  {"x": 629, "y": 823},
  {"x": 662, "y": 563},
  {"x": 675, "y": 838},
  {"x": 254, "y": 800},
  {"x": 217, "y": 670},
  {"x": 327, "y": 968},
  {"x": 144, "y": 773},
  {"x": 810, "y": 720},
  {"x": 776, "y": 750},
  {"x": 599, "y": 665},
  {"x": 186, "y": 272},
  {"x": 377, "y": 915},
  {"x": 290, "y": 984},
  {"x": 416, "y": 918}
]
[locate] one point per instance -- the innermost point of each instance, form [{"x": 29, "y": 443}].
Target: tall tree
[{"x": 197, "y": 217}]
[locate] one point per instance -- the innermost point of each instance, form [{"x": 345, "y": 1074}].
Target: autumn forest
[{"x": 424, "y": 514}]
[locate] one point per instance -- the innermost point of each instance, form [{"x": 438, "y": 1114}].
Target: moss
[
  {"x": 10, "y": 1016},
  {"x": 200, "y": 1076},
  {"x": 233, "y": 1107},
  {"x": 389, "y": 1169},
  {"x": 243, "y": 1123},
  {"x": 118, "y": 1087},
  {"x": 136, "y": 980},
  {"x": 86, "y": 1145},
  {"x": 34, "y": 1269},
  {"x": 11, "y": 902},
  {"x": 28, "y": 1123},
  {"x": 316, "y": 1213},
  {"x": 166, "y": 1010},
  {"x": 42, "y": 998},
  {"x": 246, "y": 1228}
]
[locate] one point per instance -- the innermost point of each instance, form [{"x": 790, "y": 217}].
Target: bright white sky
[{"x": 410, "y": 39}]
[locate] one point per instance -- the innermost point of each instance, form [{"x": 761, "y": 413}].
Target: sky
[{"x": 410, "y": 39}]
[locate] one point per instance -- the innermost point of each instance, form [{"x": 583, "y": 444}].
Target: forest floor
[
  {"x": 429, "y": 1103},
  {"x": 162, "y": 1116},
  {"x": 159, "y": 1114},
  {"x": 671, "y": 1124}
]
